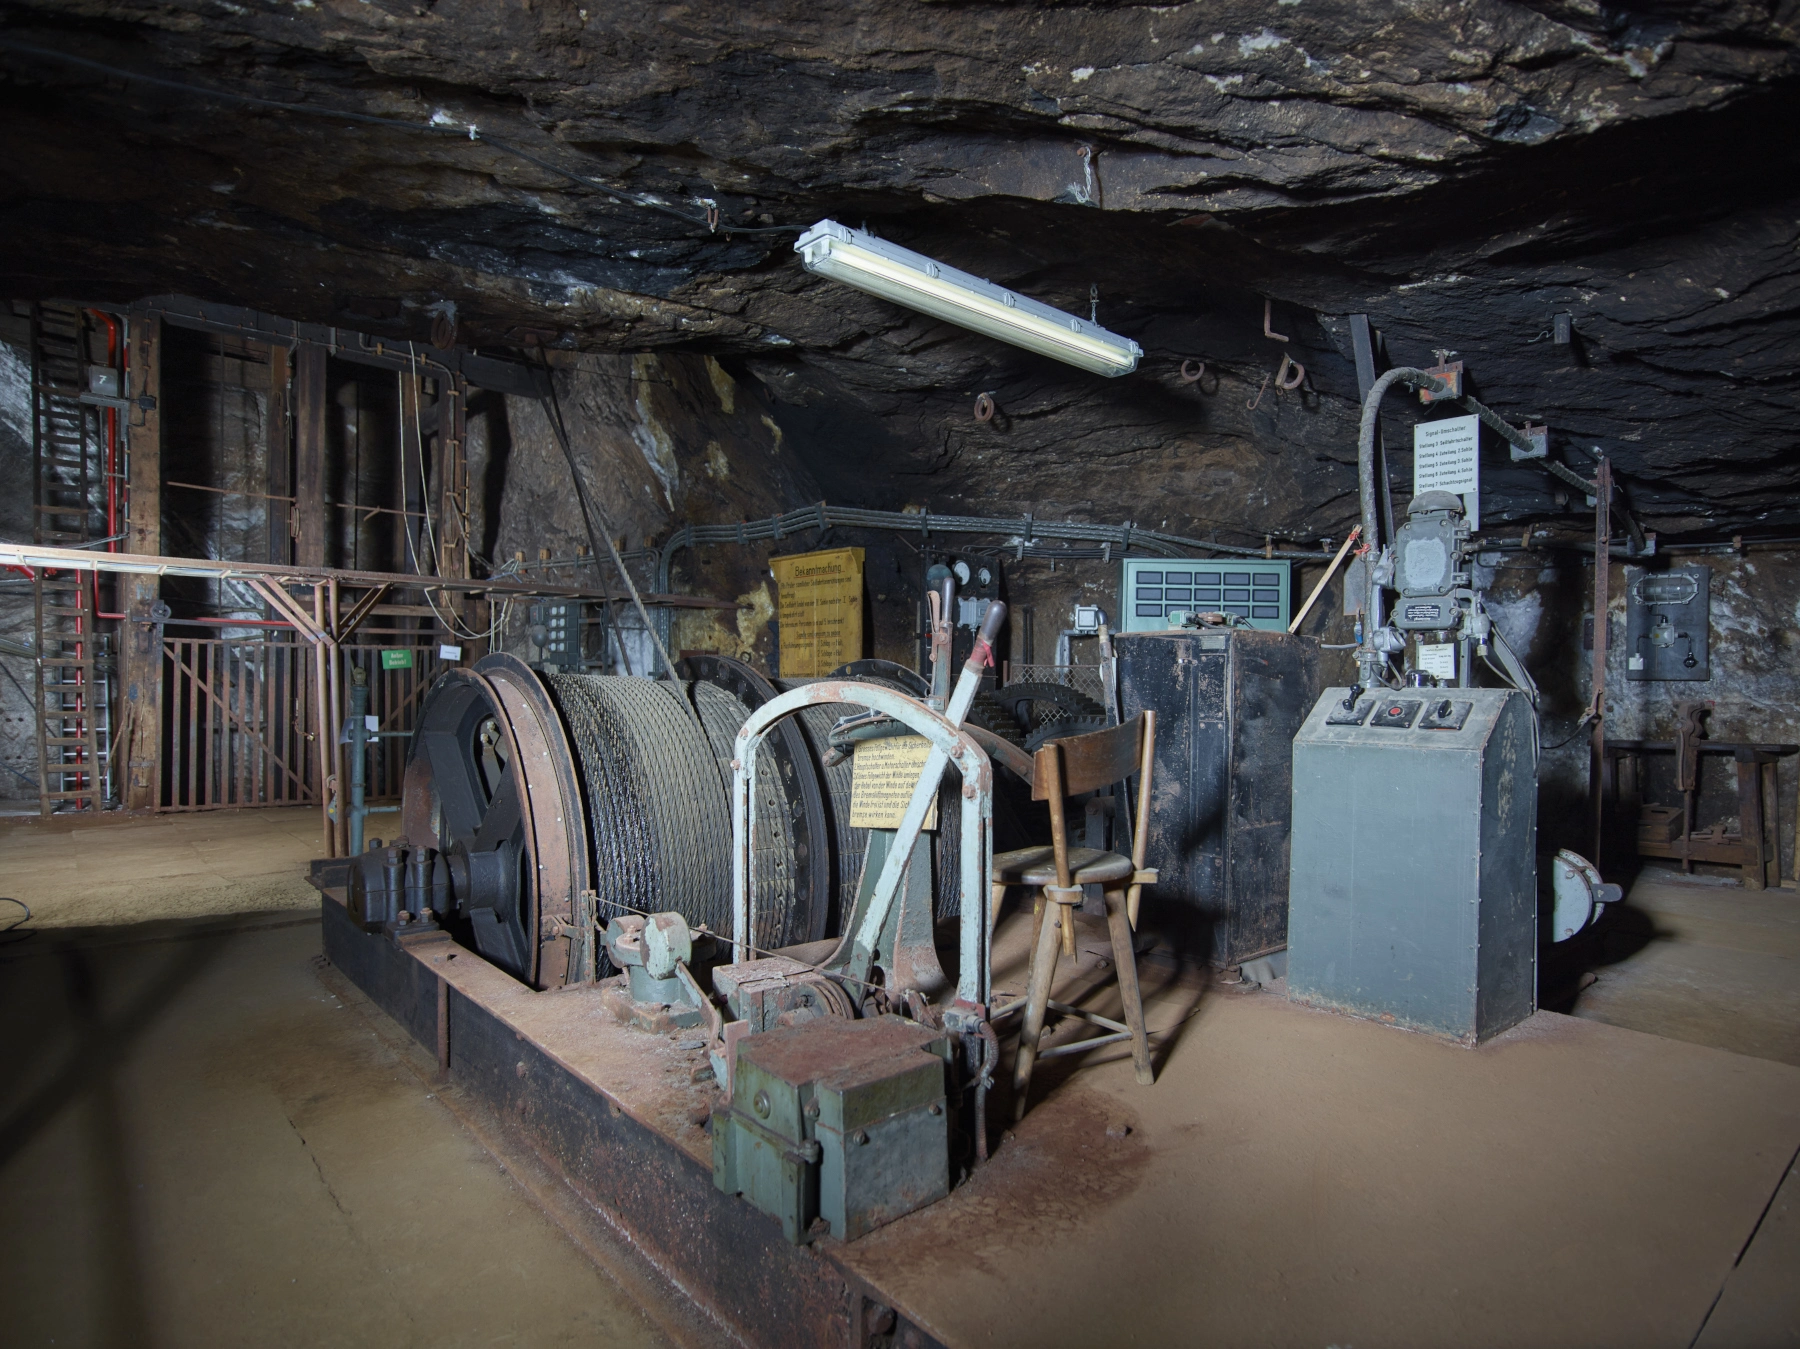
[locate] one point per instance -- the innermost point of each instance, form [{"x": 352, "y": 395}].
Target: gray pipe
[{"x": 1368, "y": 660}]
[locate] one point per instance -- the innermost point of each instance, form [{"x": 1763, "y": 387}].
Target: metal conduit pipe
[
  {"x": 1369, "y": 658},
  {"x": 822, "y": 516}
]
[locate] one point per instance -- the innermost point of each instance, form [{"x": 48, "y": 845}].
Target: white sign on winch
[{"x": 1446, "y": 458}]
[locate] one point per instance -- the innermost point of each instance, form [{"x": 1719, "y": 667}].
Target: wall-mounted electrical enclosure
[
  {"x": 1157, "y": 591},
  {"x": 1667, "y": 623}
]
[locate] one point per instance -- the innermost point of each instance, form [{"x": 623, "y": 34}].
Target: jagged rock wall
[
  {"x": 18, "y": 737},
  {"x": 658, "y": 439},
  {"x": 1458, "y": 172}
]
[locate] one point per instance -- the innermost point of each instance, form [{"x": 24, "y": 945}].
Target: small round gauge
[
  {"x": 984, "y": 577},
  {"x": 961, "y": 569}
]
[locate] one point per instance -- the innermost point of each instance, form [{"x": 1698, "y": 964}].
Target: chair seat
[{"x": 1037, "y": 866}]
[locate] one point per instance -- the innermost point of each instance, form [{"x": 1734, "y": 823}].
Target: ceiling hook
[
  {"x": 1269, "y": 313},
  {"x": 984, "y": 407},
  {"x": 1192, "y": 372},
  {"x": 1282, "y": 378},
  {"x": 1259, "y": 393}
]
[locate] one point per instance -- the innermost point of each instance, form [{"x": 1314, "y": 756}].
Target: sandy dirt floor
[{"x": 82, "y": 871}]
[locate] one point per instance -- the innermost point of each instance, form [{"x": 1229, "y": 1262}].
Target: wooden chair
[{"x": 1065, "y": 768}]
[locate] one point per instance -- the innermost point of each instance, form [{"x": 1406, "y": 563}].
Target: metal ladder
[{"x": 68, "y": 483}]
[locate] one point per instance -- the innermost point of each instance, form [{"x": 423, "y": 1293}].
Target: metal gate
[{"x": 241, "y": 721}]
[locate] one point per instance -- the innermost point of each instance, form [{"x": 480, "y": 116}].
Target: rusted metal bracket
[{"x": 1450, "y": 372}]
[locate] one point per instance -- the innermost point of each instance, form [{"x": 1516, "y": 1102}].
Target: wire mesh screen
[{"x": 1081, "y": 678}]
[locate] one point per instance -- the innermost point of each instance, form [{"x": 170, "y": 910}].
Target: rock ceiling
[{"x": 1460, "y": 172}]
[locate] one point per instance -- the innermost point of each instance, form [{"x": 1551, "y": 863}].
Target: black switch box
[{"x": 1228, "y": 704}]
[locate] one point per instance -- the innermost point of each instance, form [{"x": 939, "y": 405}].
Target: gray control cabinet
[{"x": 1413, "y": 881}]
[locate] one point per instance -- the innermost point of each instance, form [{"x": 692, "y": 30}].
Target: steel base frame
[{"x": 727, "y": 1257}]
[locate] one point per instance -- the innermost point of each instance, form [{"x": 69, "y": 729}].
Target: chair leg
[
  {"x": 1125, "y": 963},
  {"x": 997, "y": 897},
  {"x": 1037, "y": 922},
  {"x": 1037, "y": 1002},
  {"x": 1066, "y": 920}
]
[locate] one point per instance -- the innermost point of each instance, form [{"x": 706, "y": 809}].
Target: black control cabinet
[{"x": 1228, "y": 704}]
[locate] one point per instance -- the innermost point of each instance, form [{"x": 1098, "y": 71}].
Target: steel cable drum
[
  {"x": 791, "y": 843},
  {"x": 853, "y": 844},
  {"x": 776, "y": 871},
  {"x": 658, "y": 820}
]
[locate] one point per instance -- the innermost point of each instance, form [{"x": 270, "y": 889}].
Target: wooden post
[
  {"x": 453, "y": 495},
  {"x": 1602, "y": 604},
  {"x": 309, "y": 454},
  {"x": 280, "y": 477},
  {"x": 334, "y": 668},
  {"x": 327, "y": 732},
  {"x": 141, "y": 647},
  {"x": 410, "y": 544}
]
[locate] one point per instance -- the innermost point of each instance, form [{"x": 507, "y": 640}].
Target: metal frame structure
[{"x": 948, "y": 744}]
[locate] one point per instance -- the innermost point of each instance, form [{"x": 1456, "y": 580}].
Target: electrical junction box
[
  {"x": 1227, "y": 704},
  {"x": 562, "y": 643},
  {"x": 837, "y": 1120},
  {"x": 1159, "y": 591},
  {"x": 1412, "y": 892},
  {"x": 1668, "y": 619}
]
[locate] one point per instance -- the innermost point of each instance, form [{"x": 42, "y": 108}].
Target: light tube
[{"x": 916, "y": 281}]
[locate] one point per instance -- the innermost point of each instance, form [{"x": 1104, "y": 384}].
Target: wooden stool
[{"x": 1064, "y": 768}]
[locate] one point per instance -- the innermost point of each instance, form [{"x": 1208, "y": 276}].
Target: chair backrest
[{"x": 1085, "y": 763}]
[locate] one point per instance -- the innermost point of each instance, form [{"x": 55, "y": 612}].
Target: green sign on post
[{"x": 397, "y": 658}]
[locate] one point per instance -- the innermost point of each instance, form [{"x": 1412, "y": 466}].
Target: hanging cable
[
  {"x": 553, "y": 410},
  {"x": 450, "y": 622}
]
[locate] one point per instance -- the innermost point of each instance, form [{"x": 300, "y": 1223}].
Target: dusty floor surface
[
  {"x": 77, "y": 871},
  {"x": 1300, "y": 1178},
  {"x": 1700, "y": 960},
  {"x": 201, "y": 1144},
  {"x": 207, "y": 1139}
]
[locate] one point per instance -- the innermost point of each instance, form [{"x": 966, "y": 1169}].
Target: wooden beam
[
  {"x": 279, "y": 481},
  {"x": 141, "y": 648},
  {"x": 412, "y": 549},
  {"x": 368, "y": 604},
  {"x": 309, "y": 455}
]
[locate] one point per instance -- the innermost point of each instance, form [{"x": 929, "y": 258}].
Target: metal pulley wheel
[{"x": 490, "y": 783}]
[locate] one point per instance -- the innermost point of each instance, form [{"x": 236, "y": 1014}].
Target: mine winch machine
[{"x": 840, "y": 1111}]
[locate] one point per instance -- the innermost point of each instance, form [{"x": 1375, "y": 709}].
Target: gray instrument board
[{"x": 1413, "y": 877}]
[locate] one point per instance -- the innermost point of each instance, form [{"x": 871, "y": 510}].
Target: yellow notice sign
[
  {"x": 819, "y": 605},
  {"x": 883, "y": 775}
]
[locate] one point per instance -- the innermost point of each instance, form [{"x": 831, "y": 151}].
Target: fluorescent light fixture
[{"x": 914, "y": 280}]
